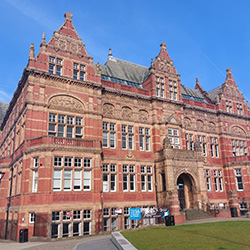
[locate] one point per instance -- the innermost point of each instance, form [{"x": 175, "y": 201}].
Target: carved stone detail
[
  {"x": 199, "y": 125},
  {"x": 129, "y": 155},
  {"x": 211, "y": 126},
  {"x": 66, "y": 102},
  {"x": 108, "y": 110},
  {"x": 197, "y": 146},
  {"x": 127, "y": 113},
  {"x": 166, "y": 143},
  {"x": 187, "y": 122},
  {"x": 237, "y": 131},
  {"x": 143, "y": 115}
]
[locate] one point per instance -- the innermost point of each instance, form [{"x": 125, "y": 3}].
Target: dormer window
[
  {"x": 78, "y": 72},
  {"x": 55, "y": 66},
  {"x": 52, "y": 59},
  {"x": 159, "y": 87}
]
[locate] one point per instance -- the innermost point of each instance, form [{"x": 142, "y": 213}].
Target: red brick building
[{"x": 80, "y": 140}]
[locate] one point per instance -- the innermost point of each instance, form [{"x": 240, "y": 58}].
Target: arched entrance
[{"x": 185, "y": 194}]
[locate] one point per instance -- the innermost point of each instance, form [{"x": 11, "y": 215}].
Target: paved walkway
[{"x": 94, "y": 242}]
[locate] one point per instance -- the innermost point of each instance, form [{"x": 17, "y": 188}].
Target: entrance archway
[{"x": 185, "y": 194}]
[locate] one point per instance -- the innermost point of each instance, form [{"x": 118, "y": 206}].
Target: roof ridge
[{"x": 130, "y": 62}]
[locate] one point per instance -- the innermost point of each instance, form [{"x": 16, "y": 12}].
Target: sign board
[
  {"x": 68, "y": 214},
  {"x": 154, "y": 212},
  {"x": 134, "y": 213},
  {"x": 118, "y": 211}
]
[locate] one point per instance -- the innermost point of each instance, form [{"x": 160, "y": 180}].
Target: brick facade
[{"x": 80, "y": 140}]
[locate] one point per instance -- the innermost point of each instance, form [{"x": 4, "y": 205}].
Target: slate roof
[
  {"x": 125, "y": 71},
  {"x": 3, "y": 109},
  {"x": 213, "y": 93},
  {"x": 192, "y": 94}
]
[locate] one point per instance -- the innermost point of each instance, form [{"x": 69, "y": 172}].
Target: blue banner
[{"x": 134, "y": 213}]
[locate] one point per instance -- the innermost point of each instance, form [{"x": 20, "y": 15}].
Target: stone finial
[
  {"x": 98, "y": 68},
  {"x": 197, "y": 146},
  {"x": 163, "y": 46},
  {"x": 110, "y": 53},
  {"x": 32, "y": 51},
  {"x": 68, "y": 16},
  {"x": 217, "y": 99},
  {"x": 152, "y": 63},
  {"x": 197, "y": 80},
  {"x": 229, "y": 70},
  {"x": 166, "y": 143},
  {"x": 43, "y": 40}
]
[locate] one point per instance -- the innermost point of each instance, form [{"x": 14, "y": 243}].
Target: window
[
  {"x": 36, "y": 162},
  {"x": 55, "y": 216},
  {"x": 87, "y": 219},
  {"x": 159, "y": 87},
  {"x": 106, "y": 219},
  {"x": 77, "y": 215},
  {"x": 65, "y": 126},
  {"x": 239, "y": 147},
  {"x": 57, "y": 180},
  {"x": 78, "y": 71},
  {"x": 55, "y": 66},
  {"x": 173, "y": 136},
  {"x": 127, "y": 137},
  {"x": 128, "y": 178},
  {"x": 202, "y": 140},
  {"x": 108, "y": 135},
  {"x": 87, "y": 180},
  {"x": 55, "y": 229},
  {"x": 208, "y": 180},
  {"x": 146, "y": 178},
  {"x": 78, "y": 162},
  {"x": 144, "y": 139},
  {"x": 67, "y": 178},
  {"x": 32, "y": 217},
  {"x": 87, "y": 214},
  {"x": 239, "y": 179},
  {"x": 126, "y": 218},
  {"x": 113, "y": 219},
  {"x": 173, "y": 89},
  {"x": 87, "y": 162},
  {"x": 77, "y": 180},
  {"x": 216, "y": 188},
  {"x": 35, "y": 181},
  {"x": 229, "y": 106},
  {"x": 109, "y": 178},
  {"x": 66, "y": 230},
  {"x": 76, "y": 228},
  {"x": 239, "y": 108},
  {"x": 110, "y": 219},
  {"x": 189, "y": 141},
  {"x": 214, "y": 147},
  {"x": 67, "y": 215}
]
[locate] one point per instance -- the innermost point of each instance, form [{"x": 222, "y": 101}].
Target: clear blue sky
[{"x": 203, "y": 37}]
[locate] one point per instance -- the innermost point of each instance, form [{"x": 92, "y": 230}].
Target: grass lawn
[{"x": 233, "y": 235}]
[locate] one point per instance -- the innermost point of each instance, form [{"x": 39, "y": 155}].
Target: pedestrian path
[{"x": 73, "y": 243}]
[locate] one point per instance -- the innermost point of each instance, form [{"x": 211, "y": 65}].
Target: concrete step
[{"x": 196, "y": 214}]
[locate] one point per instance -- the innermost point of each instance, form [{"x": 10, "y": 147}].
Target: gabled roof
[
  {"x": 123, "y": 70},
  {"x": 3, "y": 109},
  {"x": 192, "y": 94},
  {"x": 212, "y": 94}
]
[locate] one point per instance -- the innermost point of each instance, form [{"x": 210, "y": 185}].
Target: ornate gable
[
  {"x": 67, "y": 40},
  {"x": 163, "y": 61},
  {"x": 229, "y": 89}
]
